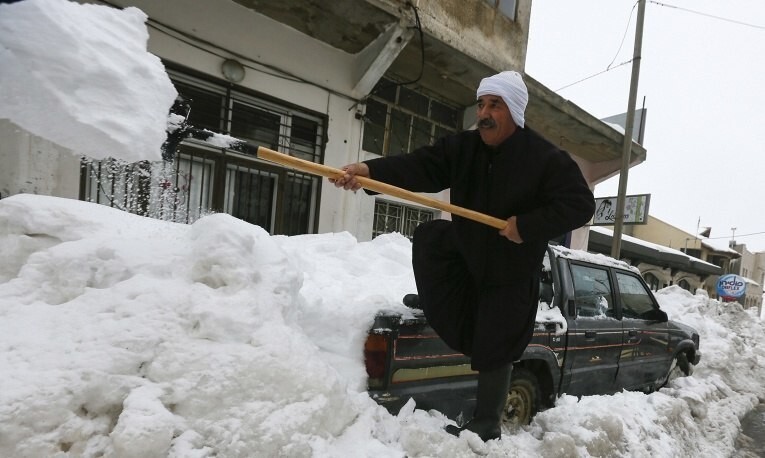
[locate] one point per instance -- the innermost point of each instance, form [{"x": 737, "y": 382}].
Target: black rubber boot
[
  {"x": 491, "y": 397},
  {"x": 412, "y": 301}
]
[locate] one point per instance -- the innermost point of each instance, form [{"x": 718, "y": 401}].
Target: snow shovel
[{"x": 378, "y": 186}]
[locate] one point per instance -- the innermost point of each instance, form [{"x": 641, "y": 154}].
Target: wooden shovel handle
[{"x": 379, "y": 186}]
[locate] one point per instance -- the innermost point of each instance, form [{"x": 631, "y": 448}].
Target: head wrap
[{"x": 510, "y": 86}]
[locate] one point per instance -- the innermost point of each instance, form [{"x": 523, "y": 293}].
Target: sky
[
  {"x": 127, "y": 336},
  {"x": 701, "y": 79}
]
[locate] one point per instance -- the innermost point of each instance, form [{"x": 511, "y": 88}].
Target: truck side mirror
[
  {"x": 546, "y": 293},
  {"x": 657, "y": 315}
]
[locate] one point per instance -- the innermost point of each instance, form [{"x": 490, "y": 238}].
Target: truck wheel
[
  {"x": 680, "y": 367},
  {"x": 684, "y": 364},
  {"x": 523, "y": 400}
]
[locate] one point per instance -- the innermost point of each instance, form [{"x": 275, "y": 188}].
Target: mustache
[{"x": 486, "y": 123}]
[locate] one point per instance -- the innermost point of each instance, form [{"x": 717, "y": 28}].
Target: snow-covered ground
[
  {"x": 127, "y": 336},
  {"x": 132, "y": 337}
]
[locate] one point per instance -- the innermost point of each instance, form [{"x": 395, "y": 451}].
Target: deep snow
[{"x": 127, "y": 336}]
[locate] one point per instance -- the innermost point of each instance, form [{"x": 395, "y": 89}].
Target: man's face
[{"x": 495, "y": 124}]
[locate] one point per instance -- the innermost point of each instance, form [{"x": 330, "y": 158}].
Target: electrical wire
[
  {"x": 392, "y": 83},
  {"x": 422, "y": 45},
  {"x": 737, "y": 235},
  {"x": 626, "y": 29},
  {"x": 610, "y": 65},
  {"x": 630, "y": 20},
  {"x": 733, "y": 21},
  {"x": 593, "y": 76}
]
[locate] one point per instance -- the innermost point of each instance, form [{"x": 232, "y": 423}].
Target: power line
[
  {"x": 708, "y": 15},
  {"x": 593, "y": 76},
  {"x": 728, "y": 237},
  {"x": 609, "y": 68},
  {"x": 626, "y": 29}
]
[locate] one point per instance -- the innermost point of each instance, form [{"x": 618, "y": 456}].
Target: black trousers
[{"x": 490, "y": 323}]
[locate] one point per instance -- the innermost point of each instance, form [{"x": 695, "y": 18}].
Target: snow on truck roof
[{"x": 595, "y": 258}]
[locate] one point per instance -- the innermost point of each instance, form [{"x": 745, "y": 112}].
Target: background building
[
  {"x": 752, "y": 267},
  {"x": 667, "y": 255}
]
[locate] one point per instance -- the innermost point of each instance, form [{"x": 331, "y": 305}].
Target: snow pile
[
  {"x": 80, "y": 76},
  {"x": 127, "y": 336}
]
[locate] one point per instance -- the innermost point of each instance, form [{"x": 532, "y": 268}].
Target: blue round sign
[{"x": 731, "y": 286}]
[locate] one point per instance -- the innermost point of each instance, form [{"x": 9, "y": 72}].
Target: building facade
[
  {"x": 660, "y": 265},
  {"x": 330, "y": 82},
  {"x": 705, "y": 255},
  {"x": 751, "y": 266}
]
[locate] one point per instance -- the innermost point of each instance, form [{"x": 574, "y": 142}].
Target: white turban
[{"x": 510, "y": 86}]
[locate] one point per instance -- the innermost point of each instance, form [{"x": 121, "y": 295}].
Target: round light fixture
[{"x": 232, "y": 70}]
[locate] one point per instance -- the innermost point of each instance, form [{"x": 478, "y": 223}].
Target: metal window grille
[
  {"x": 179, "y": 191},
  {"x": 399, "y": 119},
  {"x": 393, "y": 217},
  {"x": 202, "y": 179}
]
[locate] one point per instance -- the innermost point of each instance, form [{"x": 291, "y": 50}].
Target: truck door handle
[{"x": 590, "y": 334}]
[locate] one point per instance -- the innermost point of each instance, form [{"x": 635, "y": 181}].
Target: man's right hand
[{"x": 348, "y": 181}]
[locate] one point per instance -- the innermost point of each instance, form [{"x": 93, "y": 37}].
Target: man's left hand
[{"x": 511, "y": 230}]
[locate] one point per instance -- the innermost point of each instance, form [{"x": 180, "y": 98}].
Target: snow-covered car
[{"x": 599, "y": 330}]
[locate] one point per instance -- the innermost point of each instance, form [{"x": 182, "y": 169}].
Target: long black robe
[{"x": 490, "y": 315}]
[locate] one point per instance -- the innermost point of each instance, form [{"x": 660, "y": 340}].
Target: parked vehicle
[{"x": 609, "y": 335}]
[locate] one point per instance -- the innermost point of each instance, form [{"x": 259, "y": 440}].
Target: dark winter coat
[
  {"x": 479, "y": 290},
  {"x": 525, "y": 176}
]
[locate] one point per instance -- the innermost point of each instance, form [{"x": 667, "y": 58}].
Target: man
[{"x": 479, "y": 288}]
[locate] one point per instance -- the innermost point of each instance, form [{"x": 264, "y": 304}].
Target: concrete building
[
  {"x": 331, "y": 82},
  {"x": 751, "y": 266},
  {"x": 660, "y": 265},
  {"x": 667, "y": 255}
]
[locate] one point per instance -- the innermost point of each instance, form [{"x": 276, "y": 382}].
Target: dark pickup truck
[{"x": 599, "y": 330}]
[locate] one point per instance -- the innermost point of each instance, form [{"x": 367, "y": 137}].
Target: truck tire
[
  {"x": 523, "y": 400},
  {"x": 680, "y": 367},
  {"x": 684, "y": 364}
]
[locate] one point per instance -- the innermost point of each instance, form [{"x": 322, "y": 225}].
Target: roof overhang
[
  {"x": 352, "y": 26},
  {"x": 574, "y": 129},
  {"x": 601, "y": 242}
]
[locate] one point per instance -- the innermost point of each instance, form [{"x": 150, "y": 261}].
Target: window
[
  {"x": 399, "y": 120},
  {"x": 506, "y": 7},
  {"x": 203, "y": 179},
  {"x": 256, "y": 125},
  {"x": 593, "y": 291},
  {"x": 684, "y": 284},
  {"x": 394, "y": 217},
  {"x": 636, "y": 300},
  {"x": 652, "y": 280},
  {"x": 696, "y": 253},
  {"x": 251, "y": 194}
]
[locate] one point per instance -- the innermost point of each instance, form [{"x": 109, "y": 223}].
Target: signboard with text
[
  {"x": 635, "y": 210},
  {"x": 731, "y": 286}
]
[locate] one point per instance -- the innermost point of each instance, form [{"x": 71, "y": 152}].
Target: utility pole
[{"x": 616, "y": 245}]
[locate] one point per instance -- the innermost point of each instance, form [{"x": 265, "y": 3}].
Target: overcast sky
[{"x": 701, "y": 74}]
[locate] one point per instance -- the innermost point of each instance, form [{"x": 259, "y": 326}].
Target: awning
[{"x": 600, "y": 242}]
